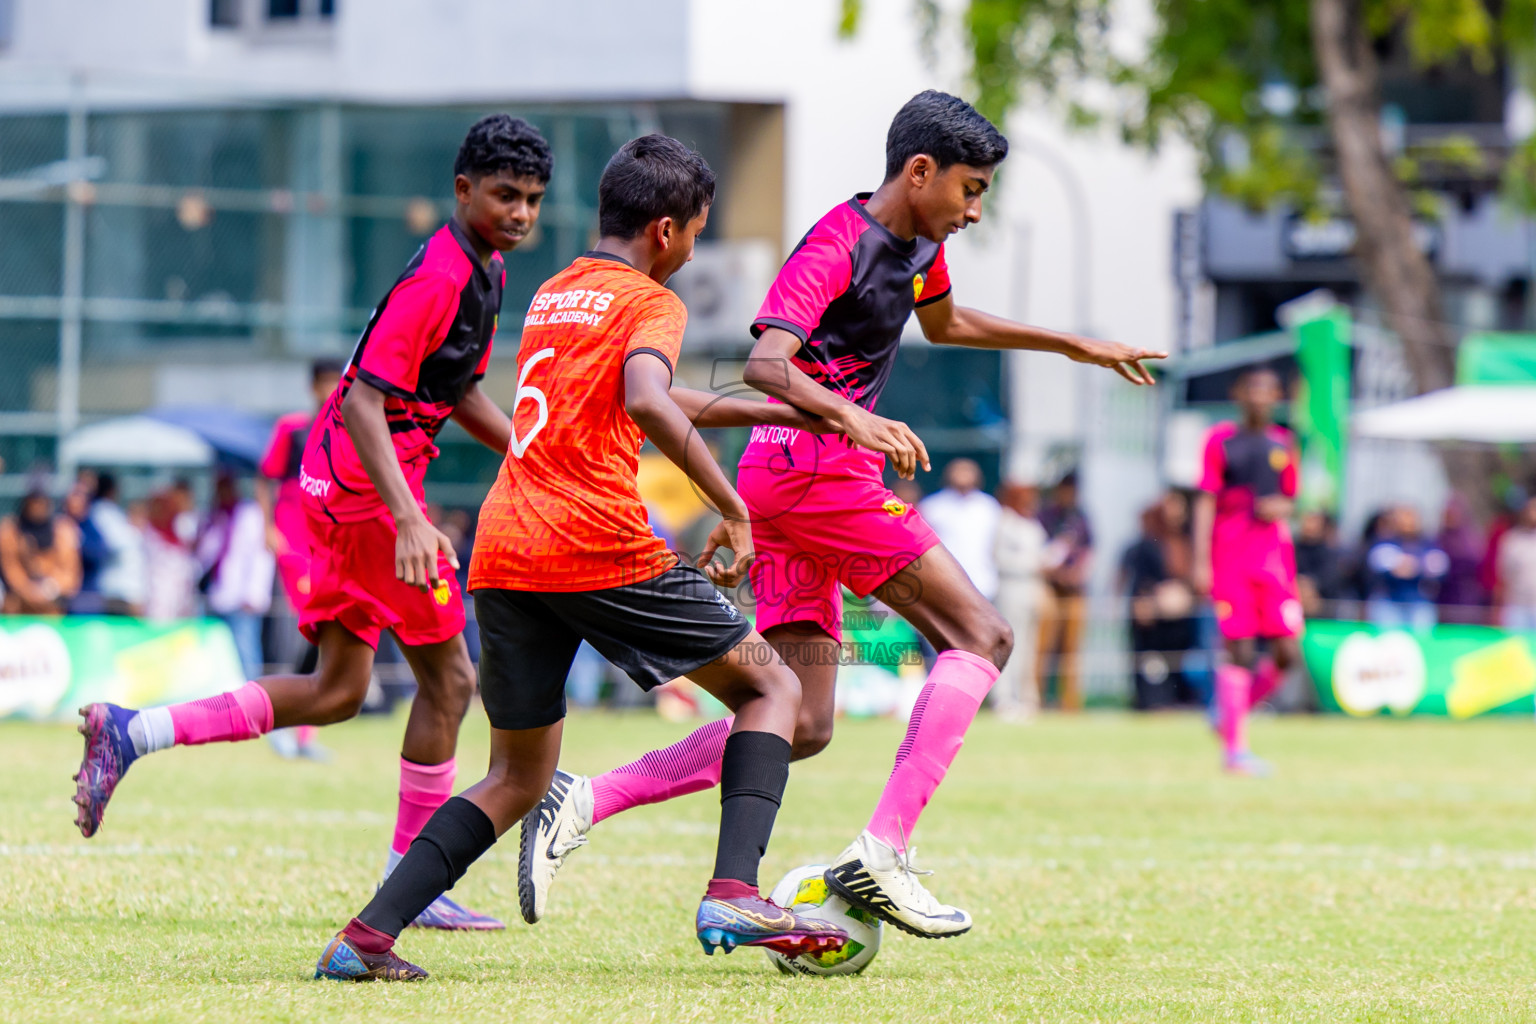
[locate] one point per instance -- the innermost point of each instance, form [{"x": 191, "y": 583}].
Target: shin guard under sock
[
  {"x": 452, "y": 840},
  {"x": 753, "y": 773}
]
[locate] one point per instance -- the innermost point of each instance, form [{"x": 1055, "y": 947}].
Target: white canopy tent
[
  {"x": 1479, "y": 413},
  {"x": 134, "y": 441}
]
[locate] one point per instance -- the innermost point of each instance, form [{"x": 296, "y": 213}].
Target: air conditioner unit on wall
[{"x": 723, "y": 288}]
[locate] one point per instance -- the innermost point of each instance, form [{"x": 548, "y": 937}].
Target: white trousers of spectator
[{"x": 1016, "y": 694}]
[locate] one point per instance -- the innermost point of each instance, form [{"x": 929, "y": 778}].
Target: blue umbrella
[{"x": 239, "y": 437}]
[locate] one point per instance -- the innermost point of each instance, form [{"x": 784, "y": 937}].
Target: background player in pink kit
[
  {"x": 278, "y": 486},
  {"x": 822, "y": 518},
  {"x": 1245, "y": 560},
  {"x": 378, "y": 563},
  {"x": 278, "y": 491}
]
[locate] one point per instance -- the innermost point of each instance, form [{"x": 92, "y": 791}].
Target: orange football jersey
[{"x": 565, "y": 512}]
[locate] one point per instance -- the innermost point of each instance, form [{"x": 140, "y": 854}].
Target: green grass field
[{"x": 1388, "y": 873}]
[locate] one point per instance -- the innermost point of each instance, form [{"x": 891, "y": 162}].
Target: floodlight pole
[
  {"x": 1076, "y": 198},
  {"x": 72, "y": 296}
]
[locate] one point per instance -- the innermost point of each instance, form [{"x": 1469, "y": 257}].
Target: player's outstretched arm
[
  {"x": 647, "y": 400},
  {"x": 707, "y": 411},
  {"x": 945, "y": 323},
  {"x": 417, "y": 541},
  {"x": 1204, "y": 521},
  {"x": 772, "y": 371},
  {"x": 483, "y": 419}
]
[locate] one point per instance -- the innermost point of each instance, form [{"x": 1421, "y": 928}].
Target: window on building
[
  {"x": 297, "y": 10},
  {"x": 221, "y": 13}
]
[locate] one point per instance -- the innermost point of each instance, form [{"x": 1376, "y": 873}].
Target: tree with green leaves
[{"x": 1244, "y": 81}]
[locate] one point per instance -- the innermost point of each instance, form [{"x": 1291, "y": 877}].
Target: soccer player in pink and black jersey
[
  {"x": 822, "y": 518},
  {"x": 1245, "y": 560},
  {"x": 379, "y": 563}
]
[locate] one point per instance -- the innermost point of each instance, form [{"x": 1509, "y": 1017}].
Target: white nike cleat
[
  {"x": 551, "y": 831},
  {"x": 873, "y": 876}
]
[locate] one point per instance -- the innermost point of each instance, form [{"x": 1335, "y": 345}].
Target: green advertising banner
[
  {"x": 1321, "y": 408},
  {"x": 1459, "y": 671},
  {"x": 49, "y": 667}
]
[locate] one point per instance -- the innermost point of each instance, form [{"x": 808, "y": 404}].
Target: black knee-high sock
[
  {"x": 753, "y": 772},
  {"x": 451, "y": 840}
]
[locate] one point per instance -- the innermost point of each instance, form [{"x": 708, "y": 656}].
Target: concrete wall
[{"x": 379, "y": 50}]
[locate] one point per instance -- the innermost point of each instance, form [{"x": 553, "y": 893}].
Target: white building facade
[{"x": 197, "y": 196}]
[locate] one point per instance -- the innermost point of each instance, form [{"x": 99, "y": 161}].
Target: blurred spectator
[
  {"x": 458, "y": 526},
  {"x": 1320, "y": 567},
  {"x": 1462, "y": 597},
  {"x": 965, "y": 518},
  {"x": 237, "y": 569},
  {"x": 170, "y": 570},
  {"x": 1357, "y": 571},
  {"x": 93, "y": 549},
  {"x": 1405, "y": 571},
  {"x": 909, "y": 491},
  {"x": 1018, "y": 554},
  {"x": 39, "y": 558},
  {"x": 1154, "y": 573},
  {"x": 184, "y": 503},
  {"x": 1517, "y": 571},
  {"x": 123, "y": 571},
  {"x": 1068, "y": 551},
  {"x": 1488, "y": 574}
]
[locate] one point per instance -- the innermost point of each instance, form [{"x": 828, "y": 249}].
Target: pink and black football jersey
[
  {"x": 846, "y": 292},
  {"x": 1239, "y": 467},
  {"x": 426, "y": 343}
]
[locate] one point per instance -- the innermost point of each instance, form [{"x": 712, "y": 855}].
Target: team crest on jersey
[
  {"x": 895, "y": 506},
  {"x": 1278, "y": 459},
  {"x": 917, "y": 287}
]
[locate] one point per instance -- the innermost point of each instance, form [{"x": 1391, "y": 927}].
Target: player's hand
[
  {"x": 276, "y": 542},
  {"x": 1200, "y": 578},
  {"x": 1272, "y": 508},
  {"x": 893, "y": 437},
  {"x": 812, "y": 423},
  {"x": 416, "y": 549},
  {"x": 1123, "y": 359},
  {"x": 736, "y": 535}
]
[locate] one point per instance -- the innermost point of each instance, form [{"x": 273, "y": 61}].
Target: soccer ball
[{"x": 804, "y": 891}]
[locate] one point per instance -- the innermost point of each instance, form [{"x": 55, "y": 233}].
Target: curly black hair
[{"x": 502, "y": 142}]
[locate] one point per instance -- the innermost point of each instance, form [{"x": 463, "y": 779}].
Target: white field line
[{"x": 1122, "y": 857}]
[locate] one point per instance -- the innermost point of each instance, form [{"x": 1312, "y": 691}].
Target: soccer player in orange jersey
[
  {"x": 823, "y": 519},
  {"x": 565, "y": 553}
]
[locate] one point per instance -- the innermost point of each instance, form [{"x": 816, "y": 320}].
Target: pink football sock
[
  {"x": 1266, "y": 680},
  {"x": 305, "y": 734},
  {"x": 423, "y": 789},
  {"x": 687, "y": 766},
  {"x": 1233, "y": 687},
  {"x": 944, "y": 710},
  {"x": 241, "y": 714}
]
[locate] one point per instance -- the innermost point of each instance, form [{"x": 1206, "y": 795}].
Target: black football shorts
[{"x": 655, "y": 631}]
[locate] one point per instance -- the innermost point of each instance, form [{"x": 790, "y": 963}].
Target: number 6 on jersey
[{"x": 524, "y": 390}]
